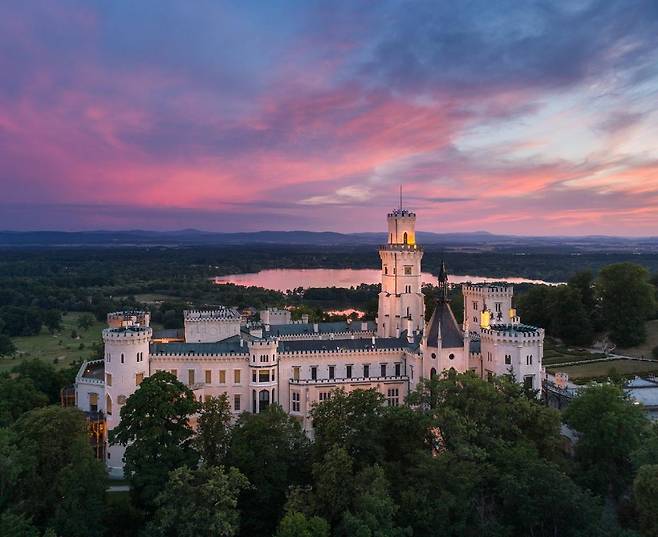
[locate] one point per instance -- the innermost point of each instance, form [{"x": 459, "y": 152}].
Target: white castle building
[{"x": 297, "y": 364}]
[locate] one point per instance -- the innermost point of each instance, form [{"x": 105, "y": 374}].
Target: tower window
[
  {"x": 382, "y": 370},
  {"x": 122, "y": 358},
  {"x": 332, "y": 371},
  {"x": 404, "y": 237},
  {"x": 407, "y": 270},
  {"x": 385, "y": 269},
  {"x": 508, "y": 359},
  {"x": 314, "y": 372},
  {"x": 348, "y": 371},
  {"x": 366, "y": 370},
  {"x": 397, "y": 369}
]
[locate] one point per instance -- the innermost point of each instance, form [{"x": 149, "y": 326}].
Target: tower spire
[{"x": 443, "y": 283}]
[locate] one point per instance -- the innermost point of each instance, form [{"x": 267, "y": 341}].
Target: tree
[
  {"x": 53, "y": 320},
  {"x": 199, "y": 502},
  {"x": 63, "y": 484},
  {"x": 570, "y": 320},
  {"x": 610, "y": 429},
  {"x": 295, "y": 524},
  {"x": 7, "y": 347},
  {"x": 156, "y": 430},
  {"x": 85, "y": 321},
  {"x": 214, "y": 430},
  {"x": 21, "y": 321},
  {"x": 534, "y": 306},
  {"x": 645, "y": 491},
  {"x": 18, "y": 396},
  {"x": 272, "y": 451},
  {"x": 332, "y": 484},
  {"x": 627, "y": 300},
  {"x": 43, "y": 375},
  {"x": 352, "y": 421}
]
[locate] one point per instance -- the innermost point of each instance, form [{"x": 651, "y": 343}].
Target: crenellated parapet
[
  {"x": 218, "y": 314},
  {"x": 117, "y": 319},
  {"x": 519, "y": 334},
  {"x": 128, "y": 335}
]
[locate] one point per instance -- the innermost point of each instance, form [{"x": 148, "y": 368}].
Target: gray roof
[
  {"x": 310, "y": 345},
  {"x": 443, "y": 321},
  {"x": 169, "y": 333},
  {"x": 323, "y": 328},
  {"x": 226, "y": 346},
  {"x": 474, "y": 346},
  {"x": 518, "y": 328}
]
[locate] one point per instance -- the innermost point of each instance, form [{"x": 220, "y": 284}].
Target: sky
[{"x": 523, "y": 117}]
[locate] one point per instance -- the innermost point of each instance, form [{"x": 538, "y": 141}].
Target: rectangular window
[
  {"x": 264, "y": 375},
  {"x": 222, "y": 376},
  {"x": 490, "y": 376},
  {"x": 475, "y": 306},
  {"x": 108, "y": 379},
  {"x": 190, "y": 377},
  {"x": 208, "y": 376},
  {"x": 236, "y": 376},
  {"x": 323, "y": 396},
  {"x": 529, "y": 382},
  {"x": 393, "y": 397},
  {"x": 508, "y": 359},
  {"x": 314, "y": 372},
  {"x": 332, "y": 371},
  {"x": 295, "y": 372},
  {"x": 236, "y": 402},
  {"x": 366, "y": 370},
  {"x": 93, "y": 402},
  {"x": 139, "y": 377},
  {"x": 382, "y": 370},
  {"x": 398, "y": 368},
  {"x": 254, "y": 376},
  {"x": 296, "y": 405},
  {"x": 264, "y": 358},
  {"x": 499, "y": 307},
  {"x": 528, "y": 359},
  {"x": 407, "y": 270},
  {"x": 348, "y": 371}
]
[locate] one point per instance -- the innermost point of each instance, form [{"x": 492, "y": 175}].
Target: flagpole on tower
[{"x": 400, "y": 197}]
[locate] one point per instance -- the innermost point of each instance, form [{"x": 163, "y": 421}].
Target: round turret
[
  {"x": 401, "y": 227},
  {"x": 117, "y": 319},
  {"x": 264, "y": 373},
  {"x": 126, "y": 365}
]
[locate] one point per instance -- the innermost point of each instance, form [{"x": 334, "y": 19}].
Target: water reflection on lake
[{"x": 284, "y": 279}]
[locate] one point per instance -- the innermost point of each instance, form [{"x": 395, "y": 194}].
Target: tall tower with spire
[{"x": 401, "y": 303}]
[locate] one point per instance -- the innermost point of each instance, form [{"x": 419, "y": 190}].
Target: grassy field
[
  {"x": 556, "y": 353},
  {"x": 585, "y": 372},
  {"x": 59, "y": 348},
  {"x": 646, "y": 348}
]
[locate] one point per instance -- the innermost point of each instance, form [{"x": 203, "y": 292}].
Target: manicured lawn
[
  {"x": 646, "y": 347},
  {"x": 603, "y": 369},
  {"x": 59, "y": 348},
  {"x": 556, "y": 353}
]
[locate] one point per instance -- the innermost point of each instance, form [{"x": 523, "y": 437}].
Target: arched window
[
  {"x": 405, "y": 237},
  {"x": 263, "y": 400},
  {"x": 433, "y": 373},
  {"x": 108, "y": 405}
]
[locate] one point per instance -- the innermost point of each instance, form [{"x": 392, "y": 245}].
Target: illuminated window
[
  {"x": 208, "y": 376},
  {"x": 139, "y": 377},
  {"x": 236, "y": 376},
  {"x": 222, "y": 376},
  {"x": 264, "y": 375},
  {"x": 93, "y": 402}
]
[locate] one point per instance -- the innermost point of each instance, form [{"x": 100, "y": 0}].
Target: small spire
[{"x": 443, "y": 282}]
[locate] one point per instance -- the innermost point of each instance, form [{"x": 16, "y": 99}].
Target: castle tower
[
  {"x": 210, "y": 326},
  {"x": 126, "y": 365},
  {"x": 486, "y": 300},
  {"x": 401, "y": 297},
  {"x": 264, "y": 372}
]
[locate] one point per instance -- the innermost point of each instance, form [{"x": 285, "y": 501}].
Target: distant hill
[{"x": 189, "y": 237}]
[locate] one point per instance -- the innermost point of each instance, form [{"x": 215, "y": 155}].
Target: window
[
  {"x": 499, "y": 307},
  {"x": 236, "y": 376},
  {"x": 314, "y": 372},
  {"x": 296, "y": 405},
  {"x": 108, "y": 405},
  {"x": 108, "y": 358},
  {"x": 263, "y": 400},
  {"x": 382, "y": 370},
  {"x": 236, "y": 401},
  {"x": 208, "y": 376},
  {"x": 264, "y": 358},
  {"x": 475, "y": 306},
  {"x": 295, "y": 372},
  {"x": 366, "y": 370},
  {"x": 332, "y": 371},
  {"x": 273, "y": 379},
  {"x": 122, "y": 358},
  {"x": 385, "y": 269},
  {"x": 508, "y": 359},
  {"x": 348, "y": 371},
  {"x": 489, "y": 376},
  {"x": 432, "y": 373},
  {"x": 254, "y": 377},
  {"x": 174, "y": 372},
  {"x": 451, "y": 357},
  {"x": 264, "y": 375},
  {"x": 489, "y": 357},
  {"x": 528, "y": 359},
  {"x": 393, "y": 397},
  {"x": 139, "y": 377},
  {"x": 93, "y": 402},
  {"x": 323, "y": 396},
  {"x": 190, "y": 376},
  {"x": 138, "y": 357},
  {"x": 108, "y": 379},
  {"x": 433, "y": 356},
  {"x": 397, "y": 369},
  {"x": 475, "y": 319},
  {"x": 407, "y": 270},
  {"x": 529, "y": 382},
  {"x": 404, "y": 237},
  {"x": 222, "y": 376}
]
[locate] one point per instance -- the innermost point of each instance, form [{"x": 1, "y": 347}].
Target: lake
[{"x": 284, "y": 279}]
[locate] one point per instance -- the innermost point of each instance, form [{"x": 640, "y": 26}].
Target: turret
[
  {"x": 126, "y": 365},
  {"x": 487, "y": 304},
  {"x": 264, "y": 373}
]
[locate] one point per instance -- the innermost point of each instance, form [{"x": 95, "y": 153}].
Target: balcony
[{"x": 352, "y": 380}]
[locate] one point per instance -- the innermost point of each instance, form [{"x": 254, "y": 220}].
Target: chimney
[
  {"x": 373, "y": 341},
  {"x": 241, "y": 342},
  {"x": 397, "y": 331},
  {"x": 316, "y": 328},
  {"x": 364, "y": 326},
  {"x": 305, "y": 318},
  {"x": 410, "y": 330}
]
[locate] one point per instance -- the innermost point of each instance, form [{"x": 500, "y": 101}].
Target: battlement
[
  {"x": 487, "y": 289},
  {"x": 263, "y": 343},
  {"x": 117, "y": 319},
  {"x": 219, "y": 314},
  {"x": 401, "y": 213},
  {"x": 519, "y": 332},
  {"x": 128, "y": 334},
  {"x": 400, "y": 248}
]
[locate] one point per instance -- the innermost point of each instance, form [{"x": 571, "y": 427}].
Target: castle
[{"x": 297, "y": 364}]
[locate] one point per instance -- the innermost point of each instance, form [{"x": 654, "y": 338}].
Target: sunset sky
[{"x": 521, "y": 117}]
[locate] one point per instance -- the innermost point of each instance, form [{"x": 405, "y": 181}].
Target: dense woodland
[{"x": 464, "y": 457}]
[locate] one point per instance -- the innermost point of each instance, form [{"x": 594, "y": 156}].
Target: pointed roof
[{"x": 443, "y": 323}]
